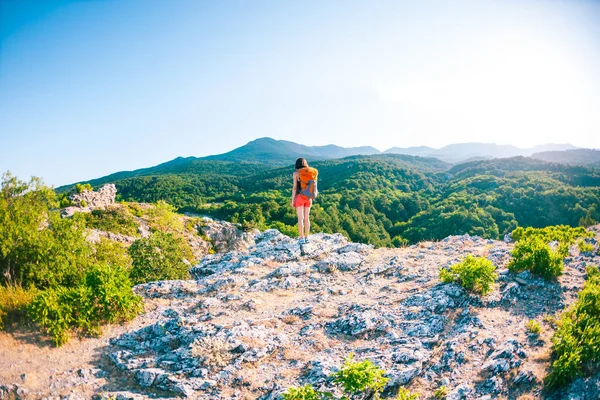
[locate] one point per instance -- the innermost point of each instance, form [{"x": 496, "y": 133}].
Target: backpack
[{"x": 308, "y": 182}]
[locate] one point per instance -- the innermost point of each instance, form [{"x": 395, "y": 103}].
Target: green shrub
[
  {"x": 13, "y": 304},
  {"x": 105, "y": 296},
  {"x": 80, "y": 188},
  {"x": 115, "y": 219},
  {"x": 576, "y": 343},
  {"x": 161, "y": 256},
  {"x": 563, "y": 234},
  {"x": 405, "y": 394},
  {"x": 585, "y": 247},
  {"x": 441, "y": 392},
  {"x": 356, "y": 377},
  {"x": 306, "y": 392},
  {"x": 64, "y": 201},
  {"x": 473, "y": 273},
  {"x": 113, "y": 253},
  {"x": 533, "y": 327},
  {"x": 536, "y": 256},
  {"x": 164, "y": 218},
  {"x": 135, "y": 208}
]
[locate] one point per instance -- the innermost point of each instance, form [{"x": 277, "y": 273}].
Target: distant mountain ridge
[
  {"x": 265, "y": 153},
  {"x": 283, "y": 152},
  {"x": 461, "y": 152},
  {"x": 589, "y": 157}
]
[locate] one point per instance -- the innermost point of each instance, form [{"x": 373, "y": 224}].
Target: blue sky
[{"x": 93, "y": 87}]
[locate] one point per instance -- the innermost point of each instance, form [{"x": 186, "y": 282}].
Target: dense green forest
[{"x": 380, "y": 199}]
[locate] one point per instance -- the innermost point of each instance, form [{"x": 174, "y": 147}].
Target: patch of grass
[
  {"x": 476, "y": 274},
  {"x": 14, "y": 301},
  {"x": 533, "y": 327},
  {"x": 405, "y": 394},
  {"x": 441, "y": 392}
]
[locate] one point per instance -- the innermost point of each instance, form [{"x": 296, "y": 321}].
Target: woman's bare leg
[
  {"x": 300, "y": 212},
  {"x": 306, "y": 221}
]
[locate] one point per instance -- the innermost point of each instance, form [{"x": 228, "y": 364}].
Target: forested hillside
[{"x": 385, "y": 199}]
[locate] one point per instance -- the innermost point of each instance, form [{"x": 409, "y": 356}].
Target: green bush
[
  {"x": 535, "y": 255},
  {"x": 576, "y": 343},
  {"x": 13, "y": 304},
  {"x": 115, "y": 219},
  {"x": 113, "y": 253},
  {"x": 164, "y": 218},
  {"x": 405, "y": 394},
  {"x": 561, "y": 233},
  {"x": 80, "y": 188},
  {"x": 105, "y": 296},
  {"x": 161, "y": 256},
  {"x": 306, "y": 392},
  {"x": 585, "y": 247},
  {"x": 363, "y": 376},
  {"x": 473, "y": 273}
]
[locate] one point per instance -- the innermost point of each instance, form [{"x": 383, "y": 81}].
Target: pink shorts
[{"x": 302, "y": 201}]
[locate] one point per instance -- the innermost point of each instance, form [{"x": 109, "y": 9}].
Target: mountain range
[
  {"x": 271, "y": 151},
  {"x": 264, "y": 153}
]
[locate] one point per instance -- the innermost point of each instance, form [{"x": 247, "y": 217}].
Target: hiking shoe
[
  {"x": 306, "y": 240},
  {"x": 301, "y": 241}
]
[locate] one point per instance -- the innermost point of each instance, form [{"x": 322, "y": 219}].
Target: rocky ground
[{"x": 269, "y": 314}]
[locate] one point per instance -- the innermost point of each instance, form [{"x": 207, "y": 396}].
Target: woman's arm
[{"x": 294, "y": 177}]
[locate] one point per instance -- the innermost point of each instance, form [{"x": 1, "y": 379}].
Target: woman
[{"x": 301, "y": 203}]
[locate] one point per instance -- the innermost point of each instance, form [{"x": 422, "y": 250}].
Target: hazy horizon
[{"x": 88, "y": 88}]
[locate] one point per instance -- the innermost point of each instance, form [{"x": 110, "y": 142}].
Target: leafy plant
[
  {"x": 104, "y": 296},
  {"x": 533, "y": 326},
  {"x": 356, "y": 377},
  {"x": 161, "y": 256},
  {"x": 535, "y": 255},
  {"x": 405, "y": 394},
  {"x": 116, "y": 219},
  {"x": 441, "y": 392},
  {"x": 473, "y": 273},
  {"x": 585, "y": 247},
  {"x": 576, "y": 343},
  {"x": 164, "y": 218},
  {"x": 80, "y": 188},
  {"x": 306, "y": 392}
]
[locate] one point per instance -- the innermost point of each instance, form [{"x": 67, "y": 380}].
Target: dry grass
[
  {"x": 13, "y": 303},
  {"x": 291, "y": 319},
  {"x": 253, "y": 342},
  {"x": 213, "y": 352},
  {"x": 294, "y": 352}
]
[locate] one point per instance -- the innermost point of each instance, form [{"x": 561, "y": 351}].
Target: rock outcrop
[
  {"x": 88, "y": 200},
  {"x": 269, "y": 313},
  {"x": 279, "y": 314},
  {"x": 226, "y": 236}
]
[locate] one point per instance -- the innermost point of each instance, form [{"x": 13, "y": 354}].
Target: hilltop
[
  {"x": 280, "y": 316},
  {"x": 262, "y": 313}
]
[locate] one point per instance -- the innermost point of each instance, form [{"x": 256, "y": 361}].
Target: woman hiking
[{"x": 304, "y": 190}]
